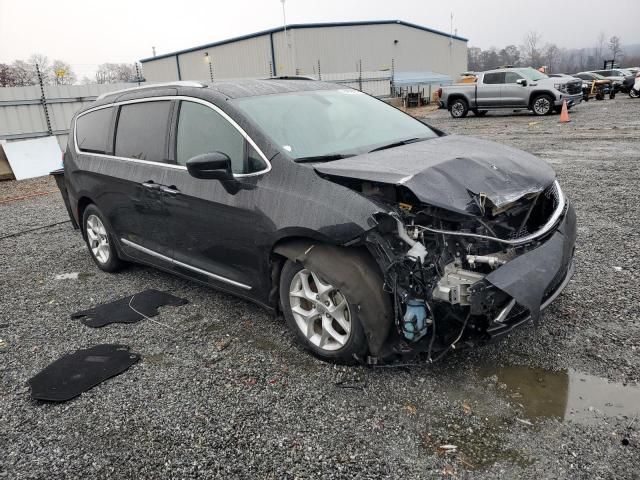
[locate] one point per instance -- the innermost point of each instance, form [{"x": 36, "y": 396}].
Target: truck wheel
[
  {"x": 480, "y": 113},
  {"x": 634, "y": 93},
  {"x": 459, "y": 108},
  {"x": 542, "y": 105}
]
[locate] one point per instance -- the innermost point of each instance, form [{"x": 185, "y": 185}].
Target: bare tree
[
  {"x": 601, "y": 43},
  {"x": 24, "y": 74},
  {"x": 615, "y": 47},
  {"x": 7, "y": 77},
  {"x": 510, "y": 55},
  {"x": 531, "y": 48},
  {"x": 43, "y": 64},
  {"x": 115, "y": 72},
  {"x": 552, "y": 56},
  {"x": 62, "y": 73}
]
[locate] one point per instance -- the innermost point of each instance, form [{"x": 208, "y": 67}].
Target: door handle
[
  {"x": 171, "y": 190},
  {"x": 151, "y": 184}
]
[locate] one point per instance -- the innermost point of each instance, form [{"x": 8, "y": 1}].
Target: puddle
[{"x": 565, "y": 395}]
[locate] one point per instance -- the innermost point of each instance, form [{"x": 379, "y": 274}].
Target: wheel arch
[
  {"x": 537, "y": 93},
  {"x": 359, "y": 276}
]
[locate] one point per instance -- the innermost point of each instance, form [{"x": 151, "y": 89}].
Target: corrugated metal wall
[
  {"x": 22, "y": 114},
  {"x": 338, "y": 48}
]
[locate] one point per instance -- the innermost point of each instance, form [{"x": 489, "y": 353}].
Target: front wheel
[
  {"x": 99, "y": 240},
  {"x": 320, "y": 315},
  {"x": 459, "y": 108},
  {"x": 542, "y": 105},
  {"x": 634, "y": 93}
]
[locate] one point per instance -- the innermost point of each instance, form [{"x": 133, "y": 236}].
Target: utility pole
[{"x": 153, "y": 49}]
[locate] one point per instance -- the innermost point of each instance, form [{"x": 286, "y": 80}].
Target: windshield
[
  {"x": 330, "y": 122},
  {"x": 532, "y": 74}
]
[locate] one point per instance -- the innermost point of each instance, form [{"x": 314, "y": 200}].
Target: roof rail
[
  {"x": 292, "y": 77},
  {"x": 178, "y": 83}
]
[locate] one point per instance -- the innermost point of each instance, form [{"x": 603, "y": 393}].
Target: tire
[
  {"x": 334, "y": 337},
  {"x": 634, "y": 93},
  {"x": 459, "y": 108},
  {"x": 480, "y": 113},
  {"x": 542, "y": 105},
  {"x": 99, "y": 240}
]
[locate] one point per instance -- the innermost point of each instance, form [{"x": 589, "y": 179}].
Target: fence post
[
  {"x": 360, "y": 74},
  {"x": 43, "y": 100},
  {"x": 138, "y": 76},
  {"x": 393, "y": 76},
  {"x": 319, "y": 73}
]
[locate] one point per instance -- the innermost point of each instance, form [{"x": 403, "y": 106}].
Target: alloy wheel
[
  {"x": 320, "y": 311},
  {"x": 98, "y": 239},
  {"x": 457, "y": 109},
  {"x": 542, "y": 106}
]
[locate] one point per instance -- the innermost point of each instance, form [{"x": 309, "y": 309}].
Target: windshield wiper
[
  {"x": 323, "y": 158},
  {"x": 399, "y": 144}
]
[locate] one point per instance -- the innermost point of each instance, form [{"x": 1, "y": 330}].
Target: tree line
[
  {"x": 536, "y": 53},
  {"x": 23, "y": 73}
]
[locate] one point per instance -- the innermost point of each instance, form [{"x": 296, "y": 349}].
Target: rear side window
[
  {"x": 493, "y": 78},
  {"x": 203, "y": 130},
  {"x": 142, "y": 131},
  {"x": 92, "y": 130}
]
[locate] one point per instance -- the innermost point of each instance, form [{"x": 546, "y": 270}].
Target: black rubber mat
[
  {"x": 73, "y": 374},
  {"x": 129, "y": 309}
]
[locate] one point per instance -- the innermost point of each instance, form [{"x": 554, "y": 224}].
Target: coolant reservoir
[{"x": 415, "y": 321}]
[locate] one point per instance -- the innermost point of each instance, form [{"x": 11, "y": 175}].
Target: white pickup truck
[{"x": 512, "y": 89}]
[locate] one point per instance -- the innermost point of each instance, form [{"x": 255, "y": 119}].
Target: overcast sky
[{"x": 86, "y": 33}]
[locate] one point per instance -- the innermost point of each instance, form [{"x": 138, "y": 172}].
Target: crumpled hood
[{"x": 449, "y": 171}]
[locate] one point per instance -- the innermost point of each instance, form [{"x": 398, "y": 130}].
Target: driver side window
[
  {"x": 203, "y": 130},
  {"x": 511, "y": 77}
]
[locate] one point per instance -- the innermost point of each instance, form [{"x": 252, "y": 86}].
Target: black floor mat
[
  {"x": 128, "y": 310},
  {"x": 73, "y": 374}
]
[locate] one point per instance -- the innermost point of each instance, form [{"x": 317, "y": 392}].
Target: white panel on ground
[{"x": 33, "y": 158}]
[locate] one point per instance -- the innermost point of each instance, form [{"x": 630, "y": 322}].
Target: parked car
[
  {"x": 513, "y": 89},
  {"x": 374, "y": 234},
  {"x": 595, "y": 85},
  {"x": 615, "y": 75}
]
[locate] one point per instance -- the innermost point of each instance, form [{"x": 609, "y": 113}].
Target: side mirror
[
  {"x": 522, "y": 82},
  {"x": 214, "y": 165}
]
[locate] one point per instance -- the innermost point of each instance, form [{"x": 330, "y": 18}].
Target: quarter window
[
  {"x": 92, "y": 130},
  {"x": 142, "y": 131},
  {"x": 203, "y": 130}
]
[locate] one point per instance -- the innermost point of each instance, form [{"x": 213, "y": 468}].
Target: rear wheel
[
  {"x": 542, "y": 105},
  {"x": 99, "y": 240},
  {"x": 459, "y": 108},
  {"x": 320, "y": 315}
]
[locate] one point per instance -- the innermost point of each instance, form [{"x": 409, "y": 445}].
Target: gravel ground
[{"x": 223, "y": 392}]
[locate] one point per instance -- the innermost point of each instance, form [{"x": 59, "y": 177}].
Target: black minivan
[{"x": 374, "y": 234}]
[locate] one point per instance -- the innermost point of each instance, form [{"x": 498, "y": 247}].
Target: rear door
[
  {"x": 489, "y": 93},
  {"x": 214, "y": 226},
  {"x": 140, "y": 164},
  {"x": 512, "y": 93}
]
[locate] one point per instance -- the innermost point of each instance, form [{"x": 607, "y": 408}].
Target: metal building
[{"x": 318, "y": 49}]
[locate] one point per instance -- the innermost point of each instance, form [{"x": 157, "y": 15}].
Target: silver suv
[{"x": 511, "y": 88}]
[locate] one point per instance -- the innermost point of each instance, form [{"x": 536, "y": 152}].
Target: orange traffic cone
[{"x": 564, "y": 115}]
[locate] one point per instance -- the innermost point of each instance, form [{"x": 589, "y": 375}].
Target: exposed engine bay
[{"x": 438, "y": 265}]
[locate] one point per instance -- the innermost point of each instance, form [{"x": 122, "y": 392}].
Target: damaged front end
[{"x": 459, "y": 279}]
